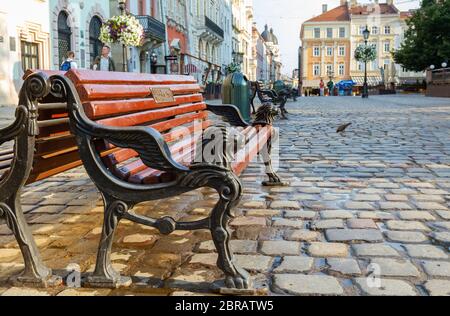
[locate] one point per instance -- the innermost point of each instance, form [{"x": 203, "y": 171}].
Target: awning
[
  {"x": 371, "y": 80},
  {"x": 311, "y": 83}
]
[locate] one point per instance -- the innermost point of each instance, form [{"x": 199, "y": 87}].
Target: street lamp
[
  {"x": 432, "y": 67},
  {"x": 365, "y": 94},
  {"x": 444, "y": 64},
  {"x": 123, "y": 11},
  {"x": 153, "y": 61}
]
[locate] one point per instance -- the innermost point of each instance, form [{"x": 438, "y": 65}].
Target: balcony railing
[
  {"x": 152, "y": 27},
  {"x": 214, "y": 27},
  {"x": 441, "y": 75}
]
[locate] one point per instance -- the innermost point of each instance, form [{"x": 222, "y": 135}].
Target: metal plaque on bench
[{"x": 162, "y": 95}]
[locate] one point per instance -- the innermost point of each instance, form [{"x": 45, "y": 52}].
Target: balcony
[
  {"x": 213, "y": 27},
  {"x": 153, "y": 28}
]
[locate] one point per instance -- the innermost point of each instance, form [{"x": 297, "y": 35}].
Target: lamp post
[
  {"x": 153, "y": 62},
  {"x": 123, "y": 11},
  {"x": 365, "y": 94}
]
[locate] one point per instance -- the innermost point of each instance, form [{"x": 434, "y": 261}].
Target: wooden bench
[
  {"x": 141, "y": 138},
  {"x": 271, "y": 96}
]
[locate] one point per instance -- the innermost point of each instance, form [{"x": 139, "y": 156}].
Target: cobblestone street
[{"x": 366, "y": 213}]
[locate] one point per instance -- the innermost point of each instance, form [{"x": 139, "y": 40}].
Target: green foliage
[
  {"x": 365, "y": 53},
  {"x": 427, "y": 40},
  {"x": 233, "y": 67}
]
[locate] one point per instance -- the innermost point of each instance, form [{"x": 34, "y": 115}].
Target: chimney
[
  {"x": 390, "y": 2},
  {"x": 324, "y": 8},
  {"x": 344, "y": 2}
]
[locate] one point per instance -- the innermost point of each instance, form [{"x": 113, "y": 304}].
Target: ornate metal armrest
[
  {"x": 146, "y": 141},
  {"x": 229, "y": 112},
  {"x": 13, "y": 130}
]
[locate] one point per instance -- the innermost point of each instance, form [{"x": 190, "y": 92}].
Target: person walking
[
  {"x": 330, "y": 86},
  {"x": 104, "y": 62},
  {"x": 69, "y": 63},
  {"x": 322, "y": 88}
]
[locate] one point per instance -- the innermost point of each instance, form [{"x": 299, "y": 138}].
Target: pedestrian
[
  {"x": 69, "y": 63},
  {"x": 322, "y": 88},
  {"x": 330, "y": 86},
  {"x": 104, "y": 62}
]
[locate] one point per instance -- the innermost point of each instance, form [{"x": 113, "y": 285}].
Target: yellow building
[{"x": 326, "y": 48}]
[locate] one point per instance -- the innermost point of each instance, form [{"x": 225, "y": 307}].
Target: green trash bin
[{"x": 236, "y": 91}]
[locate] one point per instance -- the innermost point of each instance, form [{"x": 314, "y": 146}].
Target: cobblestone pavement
[{"x": 376, "y": 198}]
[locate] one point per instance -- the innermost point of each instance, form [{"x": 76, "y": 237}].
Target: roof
[
  {"x": 406, "y": 15},
  {"x": 368, "y": 9},
  {"x": 340, "y": 13}
]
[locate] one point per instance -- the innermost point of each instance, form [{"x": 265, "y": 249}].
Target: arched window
[
  {"x": 64, "y": 36},
  {"x": 95, "y": 45}
]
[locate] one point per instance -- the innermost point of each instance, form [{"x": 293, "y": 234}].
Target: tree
[{"x": 427, "y": 39}]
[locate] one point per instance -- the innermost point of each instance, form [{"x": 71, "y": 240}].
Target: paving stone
[
  {"x": 394, "y": 206},
  {"x": 300, "y": 214},
  {"x": 438, "y": 287},
  {"x": 299, "y": 284},
  {"x": 327, "y": 223},
  {"x": 405, "y": 236},
  {"x": 441, "y": 238},
  {"x": 6, "y": 254},
  {"x": 430, "y": 206},
  {"x": 353, "y": 235},
  {"x": 280, "y": 248},
  {"x": 254, "y": 204},
  {"x": 344, "y": 266},
  {"x": 387, "y": 287},
  {"x": 84, "y": 292},
  {"x": 395, "y": 267},
  {"x": 335, "y": 214},
  {"x": 437, "y": 268},
  {"x": 285, "y": 205},
  {"x": 326, "y": 249},
  {"x": 254, "y": 263},
  {"x": 139, "y": 240},
  {"x": 19, "y": 291},
  {"x": 444, "y": 214},
  {"x": 283, "y": 222},
  {"x": 396, "y": 198},
  {"x": 406, "y": 225},
  {"x": 374, "y": 250},
  {"x": 295, "y": 264},
  {"x": 248, "y": 221},
  {"x": 416, "y": 215},
  {"x": 361, "y": 223},
  {"x": 237, "y": 246},
  {"x": 303, "y": 235},
  {"x": 375, "y": 215},
  {"x": 367, "y": 197},
  {"x": 262, "y": 213},
  {"x": 359, "y": 206},
  {"x": 425, "y": 252}
]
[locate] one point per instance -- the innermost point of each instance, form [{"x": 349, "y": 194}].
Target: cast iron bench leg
[{"x": 104, "y": 275}]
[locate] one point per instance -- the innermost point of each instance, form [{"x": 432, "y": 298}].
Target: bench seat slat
[
  {"x": 91, "y": 92},
  {"x": 98, "y": 109},
  {"x": 6, "y": 157},
  {"x": 149, "y": 116},
  {"x": 79, "y": 76},
  {"x": 5, "y": 164}
]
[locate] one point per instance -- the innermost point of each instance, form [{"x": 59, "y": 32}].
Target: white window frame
[
  {"x": 329, "y": 68},
  {"x": 341, "y": 69},
  {"x": 329, "y": 53},
  {"x": 361, "y": 29},
  {"x": 375, "y": 30},
  {"x": 387, "y": 45},
  {"x": 387, "y": 29},
  {"x": 340, "y": 33},
  {"x": 315, "y": 34},
  {"x": 316, "y": 70},
  {"x": 341, "y": 51},
  {"x": 316, "y": 49},
  {"x": 328, "y": 34}
]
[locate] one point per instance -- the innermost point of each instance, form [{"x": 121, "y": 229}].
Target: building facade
[
  {"x": 24, "y": 44},
  {"x": 330, "y": 39},
  {"x": 75, "y": 26},
  {"x": 273, "y": 55}
]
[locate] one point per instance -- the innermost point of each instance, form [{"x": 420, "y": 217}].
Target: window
[
  {"x": 316, "y": 70},
  {"x": 362, "y": 28},
  {"x": 329, "y": 51},
  {"x": 30, "y": 55},
  {"x": 387, "y": 63},
  {"x": 64, "y": 36},
  {"x": 341, "y": 50},
  {"x": 342, "y": 32},
  {"x": 316, "y": 51},
  {"x": 387, "y": 47},
  {"x": 341, "y": 70},
  {"x": 374, "y": 30},
  {"x": 387, "y": 29},
  {"x": 329, "y": 32},
  {"x": 375, "y": 65},
  {"x": 360, "y": 66},
  {"x": 95, "y": 45},
  {"x": 330, "y": 70},
  {"x": 317, "y": 32}
]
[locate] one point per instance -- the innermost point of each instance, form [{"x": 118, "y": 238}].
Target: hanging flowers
[
  {"x": 123, "y": 29},
  {"x": 365, "y": 53},
  {"x": 233, "y": 67}
]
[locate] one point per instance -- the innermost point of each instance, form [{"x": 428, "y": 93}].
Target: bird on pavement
[{"x": 342, "y": 128}]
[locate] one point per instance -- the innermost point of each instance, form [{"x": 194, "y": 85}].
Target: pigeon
[{"x": 342, "y": 128}]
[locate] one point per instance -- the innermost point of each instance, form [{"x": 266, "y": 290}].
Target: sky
[{"x": 286, "y": 17}]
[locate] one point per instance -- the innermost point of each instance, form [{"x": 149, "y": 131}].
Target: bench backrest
[{"x": 126, "y": 99}]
